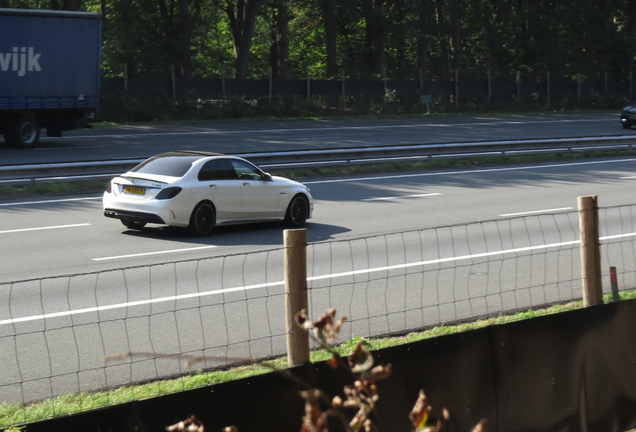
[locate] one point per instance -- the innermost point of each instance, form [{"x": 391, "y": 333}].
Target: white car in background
[{"x": 200, "y": 190}]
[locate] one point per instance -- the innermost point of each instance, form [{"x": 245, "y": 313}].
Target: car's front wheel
[
  {"x": 297, "y": 211},
  {"x": 203, "y": 219},
  {"x": 132, "y": 223},
  {"x": 627, "y": 125}
]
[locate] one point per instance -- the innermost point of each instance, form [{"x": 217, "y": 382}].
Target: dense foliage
[{"x": 400, "y": 39}]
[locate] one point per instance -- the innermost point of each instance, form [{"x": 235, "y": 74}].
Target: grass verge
[{"x": 12, "y": 415}]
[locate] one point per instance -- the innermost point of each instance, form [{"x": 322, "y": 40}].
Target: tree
[
  {"x": 242, "y": 17},
  {"x": 279, "y": 50},
  {"x": 328, "y": 9}
]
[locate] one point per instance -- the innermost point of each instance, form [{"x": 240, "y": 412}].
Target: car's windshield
[{"x": 173, "y": 166}]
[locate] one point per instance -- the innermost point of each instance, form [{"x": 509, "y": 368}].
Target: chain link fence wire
[{"x": 56, "y": 333}]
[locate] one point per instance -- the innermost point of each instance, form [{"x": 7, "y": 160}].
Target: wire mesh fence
[{"x": 56, "y": 333}]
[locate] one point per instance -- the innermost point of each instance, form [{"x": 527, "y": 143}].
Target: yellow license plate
[{"x": 134, "y": 190}]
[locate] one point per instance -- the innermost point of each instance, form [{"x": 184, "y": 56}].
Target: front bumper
[{"x": 627, "y": 118}]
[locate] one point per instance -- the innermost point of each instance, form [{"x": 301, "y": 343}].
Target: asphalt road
[
  {"x": 125, "y": 142},
  {"x": 226, "y": 299},
  {"x": 370, "y": 239}
]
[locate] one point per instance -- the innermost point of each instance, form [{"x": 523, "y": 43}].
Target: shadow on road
[{"x": 263, "y": 234}]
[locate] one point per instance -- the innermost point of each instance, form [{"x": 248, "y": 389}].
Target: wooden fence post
[
  {"x": 223, "y": 82},
  {"x": 271, "y": 84},
  {"x": 174, "y": 83},
  {"x": 547, "y": 80},
  {"x": 489, "y": 75},
  {"x": 344, "y": 104},
  {"x": 457, "y": 89},
  {"x": 590, "y": 251},
  {"x": 296, "y": 294}
]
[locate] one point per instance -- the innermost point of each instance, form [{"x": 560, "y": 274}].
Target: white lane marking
[
  {"x": 630, "y": 177},
  {"x": 282, "y": 283},
  {"x": 153, "y": 253},
  {"x": 43, "y": 228},
  {"x": 537, "y": 211},
  {"x": 66, "y": 148},
  {"x": 49, "y": 201},
  {"x": 338, "y": 128},
  {"x": 398, "y": 176},
  {"x": 401, "y": 197},
  {"x": 379, "y": 178}
]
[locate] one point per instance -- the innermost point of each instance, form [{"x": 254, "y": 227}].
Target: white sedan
[{"x": 199, "y": 190}]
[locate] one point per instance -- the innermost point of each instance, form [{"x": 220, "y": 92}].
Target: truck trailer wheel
[{"x": 24, "y": 132}]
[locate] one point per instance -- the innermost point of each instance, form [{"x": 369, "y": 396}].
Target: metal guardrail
[{"x": 95, "y": 170}]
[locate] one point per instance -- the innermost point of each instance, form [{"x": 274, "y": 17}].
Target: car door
[
  {"x": 223, "y": 188},
  {"x": 260, "y": 194}
]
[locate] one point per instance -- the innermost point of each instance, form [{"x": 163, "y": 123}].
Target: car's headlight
[{"x": 168, "y": 193}]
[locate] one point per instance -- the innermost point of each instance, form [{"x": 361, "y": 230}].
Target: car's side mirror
[{"x": 267, "y": 177}]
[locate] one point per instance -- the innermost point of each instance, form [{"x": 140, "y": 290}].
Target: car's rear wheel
[
  {"x": 203, "y": 219},
  {"x": 132, "y": 223},
  {"x": 627, "y": 125},
  {"x": 297, "y": 211}
]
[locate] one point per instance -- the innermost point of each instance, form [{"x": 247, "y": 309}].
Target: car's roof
[{"x": 187, "y": 153}]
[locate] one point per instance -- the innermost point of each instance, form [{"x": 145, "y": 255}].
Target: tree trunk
[
  {"x": 184, "y": 39},
  {"x": 497, "y": 18},
  {"x": 423, "y": 34},
  {"x": 456, "y": 34},
  {"x": 328, "y": 8},
  {"x": 630, "y": 12},
  {"x": 376, "y": 35},
  {"x": 279, "y": 50},
  {"x": 242, "y": 17}
]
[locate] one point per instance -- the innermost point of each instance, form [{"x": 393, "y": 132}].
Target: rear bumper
[{"x": 140, "y": 216}]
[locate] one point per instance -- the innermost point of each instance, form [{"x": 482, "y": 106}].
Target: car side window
[
  {"x": 245, "y": 170},
  {"x": 216, "y": 169}
]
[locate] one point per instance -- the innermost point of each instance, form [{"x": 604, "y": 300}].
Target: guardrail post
[
  {"x": 296, "y": 294},
  {"x": 590, "y": 251}
]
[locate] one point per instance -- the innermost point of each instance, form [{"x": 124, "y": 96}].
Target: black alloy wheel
[
  {"x": 298, "y": 211},
  {"x": 203, "y": 219}
]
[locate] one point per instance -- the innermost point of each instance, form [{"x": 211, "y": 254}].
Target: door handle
[
  {"x": 212, "y": 185},
  {"x": 246, "y": 184}
]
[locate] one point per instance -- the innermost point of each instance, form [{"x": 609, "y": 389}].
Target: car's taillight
[
  {"x": 109, "y": 188},
  {"x": 168, "y": 193}
]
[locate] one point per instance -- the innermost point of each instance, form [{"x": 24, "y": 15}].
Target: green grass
[
  {"x": 17, "y": 414},
  {"x": 52, "y": 189}
]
